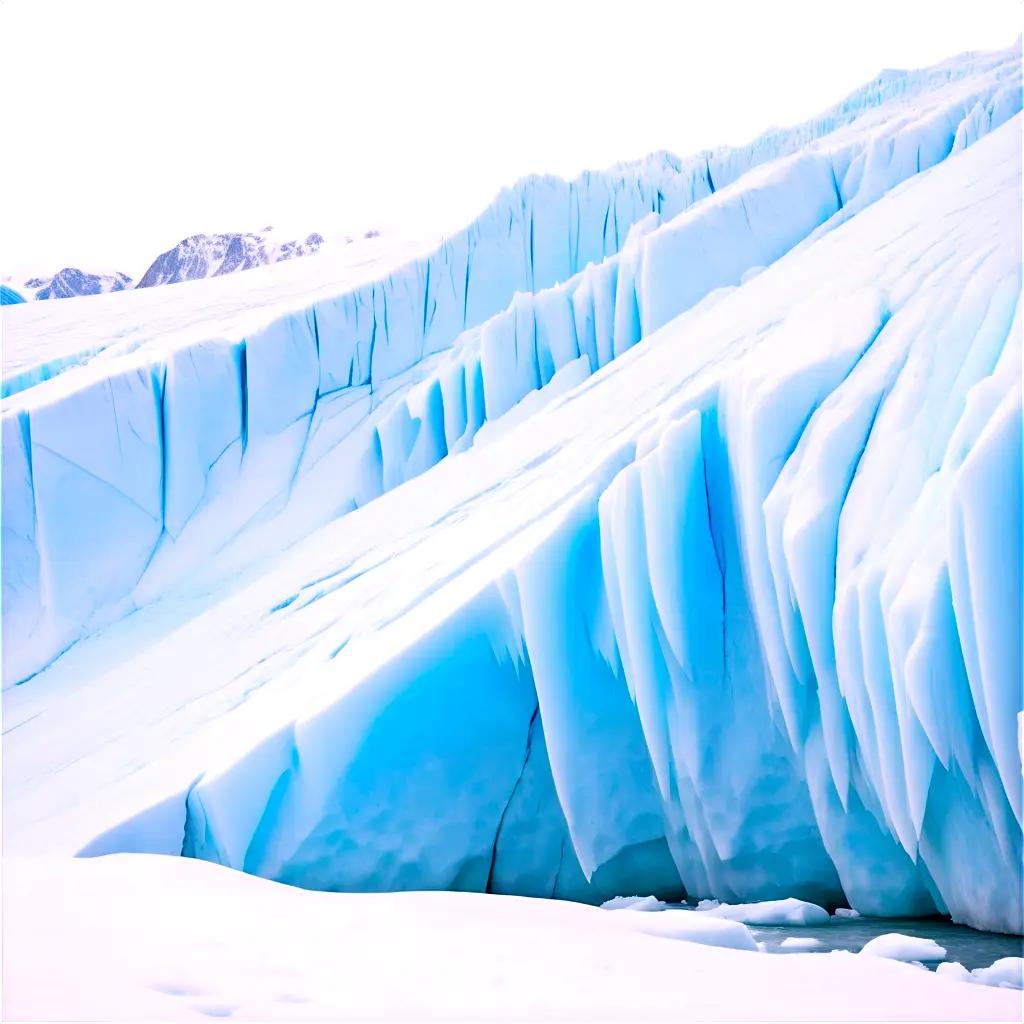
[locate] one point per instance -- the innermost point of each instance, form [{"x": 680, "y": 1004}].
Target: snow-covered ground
[
  {"x": 40, "y": 341},
  {"x": 136, "y": 937},
  {"x": 658, "y": 533}
]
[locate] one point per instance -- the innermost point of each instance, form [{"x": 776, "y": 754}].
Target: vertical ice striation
[
  {"x": 776, "y": 631},
  {"x": 711, "y": 578},
  {"x": 323, "y": 409}
]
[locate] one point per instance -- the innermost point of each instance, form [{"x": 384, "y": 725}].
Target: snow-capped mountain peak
[
  {"x": 195, "y": 257},
  {"x": 71, "y": 281},
  {"x": 201, "y": 256}
]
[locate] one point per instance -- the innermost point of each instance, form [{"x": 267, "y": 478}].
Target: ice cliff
[{"x": 661, "y": 530}]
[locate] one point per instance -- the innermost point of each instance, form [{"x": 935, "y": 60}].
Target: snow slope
[
  {"x": 45, "y": 340},
  {"x": 186, "y": 940},
  {"x": 732, "y": 610}
]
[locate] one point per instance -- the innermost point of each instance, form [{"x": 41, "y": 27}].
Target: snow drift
[{"x": 191, "y": 941}]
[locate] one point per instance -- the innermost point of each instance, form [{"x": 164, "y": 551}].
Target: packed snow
[
  {"x": 658, "y": 533},
  {"x": 136, "y": 937},
  {"x": 703, "y": 929}
]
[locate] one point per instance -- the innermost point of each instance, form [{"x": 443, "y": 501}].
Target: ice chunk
[
  {"x": 634, "y": 903},
  {"x": 895, "y": 946},
  {"x": 1007, "y": 972},
  {"x": 954, "y": 971},
  {"x": 771, "y": 912}
]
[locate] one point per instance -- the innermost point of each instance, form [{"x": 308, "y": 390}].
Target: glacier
[{"x": 660, "y": 532}]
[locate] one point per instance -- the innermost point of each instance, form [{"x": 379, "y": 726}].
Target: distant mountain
[
  {"x": 214, "y": 255},
  {"x": 72, "y": 281},
  {"x": 192, "y": 258}
]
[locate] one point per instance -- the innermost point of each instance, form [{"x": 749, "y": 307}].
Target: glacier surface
[{"x": 660, "y": 532}]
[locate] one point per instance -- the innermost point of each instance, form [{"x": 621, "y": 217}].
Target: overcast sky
[{"x": 127, "y": 126}]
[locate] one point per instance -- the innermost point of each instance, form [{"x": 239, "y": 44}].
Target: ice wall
[
  {"x": 775, "y": 633},
  {"x": 123, "y": 478},
  {"x": 768, "y": 645}
]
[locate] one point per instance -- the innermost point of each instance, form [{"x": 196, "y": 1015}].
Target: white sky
[{"x": 126, "y": 126}]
